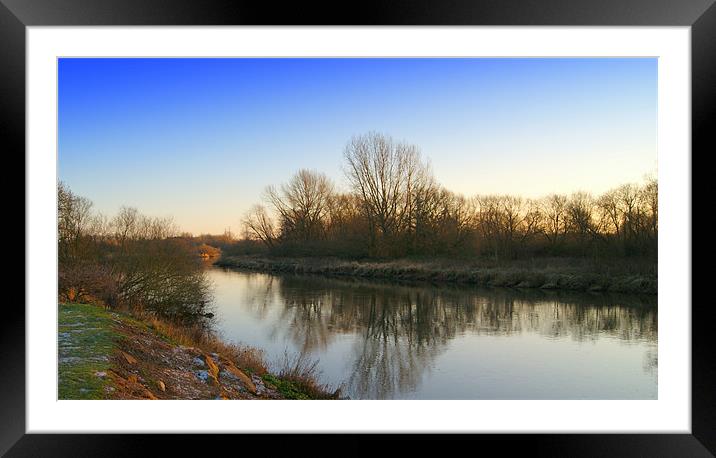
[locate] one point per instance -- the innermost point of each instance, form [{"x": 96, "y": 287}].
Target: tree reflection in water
[{"x": 405, "y": 327}]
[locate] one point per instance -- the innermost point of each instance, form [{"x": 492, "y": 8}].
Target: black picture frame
[{"x": 700, "y": 15}]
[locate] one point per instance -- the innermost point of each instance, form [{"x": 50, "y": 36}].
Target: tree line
[
  {"x": 394, "y": 207},
  {"x": 131, "y": 260}
]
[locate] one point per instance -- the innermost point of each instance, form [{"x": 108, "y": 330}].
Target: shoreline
[
  {"x": 112, "y": 354},
  {"x": 544, "y": 274}
]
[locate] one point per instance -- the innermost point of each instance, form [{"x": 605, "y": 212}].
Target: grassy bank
[
  {"x": 112, "y": 355},
  {"x": 624, "y": 276}
]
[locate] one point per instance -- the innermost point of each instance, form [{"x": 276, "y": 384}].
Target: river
[{"x": 381, "y": 340}]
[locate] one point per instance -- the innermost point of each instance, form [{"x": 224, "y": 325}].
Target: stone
[
  {"x": 260, "y": 386},
  {"x": 162, "y": 386},
  {"x": 228, "y": 375},
  {"x": 202, "y": 375},
  {"x": 198, "y": 362},
  {"x": 245, "y": 379},
  {"x": 100, "y": 374}
]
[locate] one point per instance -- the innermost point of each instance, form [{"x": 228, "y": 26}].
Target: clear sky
[{"x": 199, "y": 139}]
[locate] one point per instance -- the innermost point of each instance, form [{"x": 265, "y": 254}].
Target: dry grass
[
  {"x": 624, "y": 276},
  {"x": 296, "y": 375},
  {"x": 245, "y": 357},
  {"x": 303, "y": 373}
]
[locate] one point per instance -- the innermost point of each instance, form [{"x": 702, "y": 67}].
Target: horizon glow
[{"x": 199, "y": 139}]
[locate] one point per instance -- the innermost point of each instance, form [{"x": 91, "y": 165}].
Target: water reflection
[{"x": 399, "y": 331}]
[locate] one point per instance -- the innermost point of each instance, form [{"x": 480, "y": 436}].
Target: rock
[
  {"x": 245, "y": 379},
  {"x": 202, "y": 375},
  {"x": 260, "y": 386},
  {"x": 100, "y": 374},
  {"x": 129, "y": 358},
  {"x": 162, "y": 386},
  {"x": 198, "y": 362}
]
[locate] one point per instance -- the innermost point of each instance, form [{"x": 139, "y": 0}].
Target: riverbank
[
  {"x": 107, "y": 354},
  {"x": 623, "y": 276}
]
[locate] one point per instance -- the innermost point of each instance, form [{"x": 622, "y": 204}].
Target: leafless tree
[
  {"x": 303, "y": 205},
  {"x": 580, "y": 219},
  {"x": 74, "y": 220},
  {"x": 134, "y": 260},
  {"x": 554, "y": 210},
  {"x": 385, "y": 174},
  {"x": 126, "y": 225},
  {"x": 649, "y": 198},
  {"x": 259, "y": 226},
  {"x": 532, "y": 220},
  {"x": 628, "y": 198},
  {"x": 611, "y": 212}
]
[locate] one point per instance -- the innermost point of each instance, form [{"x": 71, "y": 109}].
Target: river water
[{"x": 382, "y": 340}]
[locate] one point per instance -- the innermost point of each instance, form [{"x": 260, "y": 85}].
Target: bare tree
[
  {"x": 156, "y": 228},
  {"x": 554, "y": 209},
  {"x": 532, "y": 221},
  {"x": 74, "y": 220},
  {"x": 611, "y": 212},
  {"x": 303, "y": 205},
  {"x": 628, "y": 199},
  {"x": 489, "y": 222},
  {"x": 385, "y": 175},
  {"x": 126, "y": 225},
  {"x": 133, "y": 261},
  {"x": 649, "y": 198},
  {"x": 395, "y": 207},
  {"x": 259, "y": 226},
  {"x": 580, "y": 219},
  {"x": 512, "y": 218}
]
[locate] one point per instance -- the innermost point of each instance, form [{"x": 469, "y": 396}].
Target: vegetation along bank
[
  {"x": 106, "y": 354},
  {"x": 567, "y": 274}
]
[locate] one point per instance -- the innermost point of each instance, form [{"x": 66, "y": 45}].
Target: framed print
[{"x": 415, "y": 219}]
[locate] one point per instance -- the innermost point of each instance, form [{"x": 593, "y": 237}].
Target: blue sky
[{"x": 199, "y": 139}]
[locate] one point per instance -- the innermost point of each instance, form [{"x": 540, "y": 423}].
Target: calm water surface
[{"x": 386, "y": 341}]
